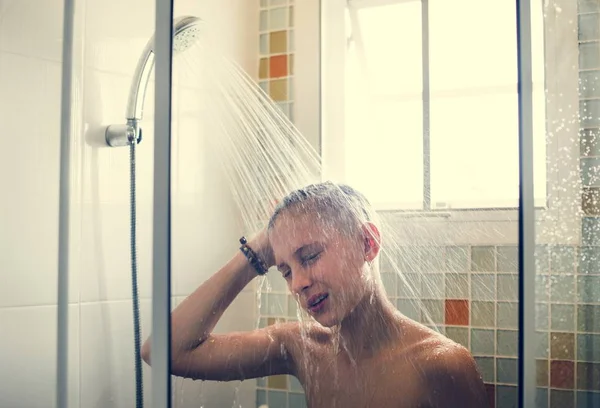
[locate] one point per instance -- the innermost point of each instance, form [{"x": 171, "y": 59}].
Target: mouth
[{"x": 317, "y": 302}]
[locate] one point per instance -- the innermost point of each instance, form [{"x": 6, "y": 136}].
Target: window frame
[{"x": 319, "y": 107}]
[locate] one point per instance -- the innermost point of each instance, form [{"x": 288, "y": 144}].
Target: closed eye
[{"x": 311, "y": 259}]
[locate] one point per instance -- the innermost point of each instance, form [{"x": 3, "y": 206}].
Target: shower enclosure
[{"x": 482, "y": 126}]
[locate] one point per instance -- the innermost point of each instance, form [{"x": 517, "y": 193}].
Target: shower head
[
  {"x": 186, "y": 31},
  {"x": 185, "y": 34}
]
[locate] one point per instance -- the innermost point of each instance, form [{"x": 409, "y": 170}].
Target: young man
[{"x": 357, "y": 350}]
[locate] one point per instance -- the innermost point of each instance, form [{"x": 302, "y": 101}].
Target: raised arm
[{"x": 199, "y": 354}]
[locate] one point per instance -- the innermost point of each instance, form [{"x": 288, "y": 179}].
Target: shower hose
[{"x": 139, "y": 396}]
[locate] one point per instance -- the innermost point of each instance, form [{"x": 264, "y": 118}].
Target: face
[{"x": 326, "y": 269}]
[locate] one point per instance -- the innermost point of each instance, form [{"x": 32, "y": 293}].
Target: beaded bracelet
[{"x": 253, "y": 258}]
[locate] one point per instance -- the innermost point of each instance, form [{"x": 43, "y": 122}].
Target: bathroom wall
[
  {"x": 109, "y": 38},
  {"x": 465, "y": 275}
]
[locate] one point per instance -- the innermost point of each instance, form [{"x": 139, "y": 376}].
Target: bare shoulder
[
  {"x": 296, "y": 332},
  {"x": 297, "y": 337},
  {"x": 450, "y": 376}
]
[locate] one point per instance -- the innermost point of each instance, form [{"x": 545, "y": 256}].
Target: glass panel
[{"x": 566, "y": 231}]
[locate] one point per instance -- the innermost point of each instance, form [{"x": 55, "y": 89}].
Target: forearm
[{"x": 195, "y": 318}]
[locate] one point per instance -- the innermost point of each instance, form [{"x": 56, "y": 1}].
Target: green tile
[
  {"x": 542, "y": 348},
  {"x": 409, "y": 286},
  {"x": 483, "y": 314},
  {"x": 589, "y": 259},
  {"x": 589, "y": 143},
  {"x": 507, "y": 343},
  {"x": 261, "y": 382},
  {"x": 542, "y": 259},
  {"x": 590, "y": 229},
  {"x": 508, "y": 287},
  {"x": 506, "y": 396},
  {"x": 506, "y": 370},
  {"x": 295, "y": 384},
  {"x": 588, "y": 376},
  {"x": 264, "y": 44},
  {"x": 541, "y": 316},
  {"x": 277, "y": 399},
  {"x": 276, "y": 304},
  {"x": 297, "y": 401},
  {"x": 561, "y": 398},
  {"x": 588, "y": 347},
  {"x": 433, "y": 259},
  {"x": 292, "y": 306},
  {"x": 482, "y": 342},
  {"x": 542, "y": 288},
  {"x": 508, "y": 315},
  {"x": 408, "y": 260},
  {"x": 541, "y": 397},
  {"x": 483, "y": 287},
  {"x": 588, "y": 288},
  {"x": 434, "y": 310},
  {"x": 562, "y": 317},
  {"x": 261, "y": 398},
  {"x": 589, "y": 55},
  {"x": 483, "y": 259},
  {"x": 562, "y": 259},
  {"x": 588, "y": 84},
  {"x": 562, "y": 288},
  {"x": 432, "y": 286},
  {"x": 588, "y": 27},
  {"x": 457, "y": 259},
  {"x": 562, "y": 346},
  {"x": 459, "y": 335},
  {"x": 508, "y": 258},
  {"x": 587, "y": 399},
  {"x": 457, "y": 286},
  {"x": 588, "y": 6},
  {"x": 264, "y": 20},
  {"x": 276, "y": 283},
  {"x": 390, "y": 283},
  {"x": 486, "y": 368},
  {"x": 588, "y": 318},
  {"x": 263, "y": 308},
  {"x": 409, "y": 308},
  {"x": 590, "y": 171}
]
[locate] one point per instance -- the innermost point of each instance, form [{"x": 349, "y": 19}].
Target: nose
[{"x": 301, "y": 281}]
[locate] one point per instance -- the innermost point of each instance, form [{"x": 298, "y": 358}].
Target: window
[{"x": 430, "y": 108}]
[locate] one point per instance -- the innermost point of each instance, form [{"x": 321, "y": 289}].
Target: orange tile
[
  {"x": 278, "y": 66},
  {"x": 278, "y": 42},
  {"x": 457, "y": 312},
  {"x": 562, "y": 374},
  {"x": 263, "y": 68},
  {"x": 278, "y": 90}
]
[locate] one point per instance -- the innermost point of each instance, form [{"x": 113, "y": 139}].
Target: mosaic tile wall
[
  {"x": 470, "y": 293},
  {"x": 276, "y": 43}
]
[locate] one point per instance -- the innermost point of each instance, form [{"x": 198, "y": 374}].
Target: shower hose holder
[{"x": 124, "y": 135}]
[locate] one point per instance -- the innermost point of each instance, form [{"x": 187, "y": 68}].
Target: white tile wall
[
  {"x": 110, "y": 36},
  {"x": 28, "y": 356}
]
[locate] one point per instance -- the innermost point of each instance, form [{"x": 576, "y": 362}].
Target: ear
[{"x": 372, "y": 240}]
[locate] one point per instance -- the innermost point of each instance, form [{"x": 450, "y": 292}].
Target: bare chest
[{"x": 336, "y": 382}]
